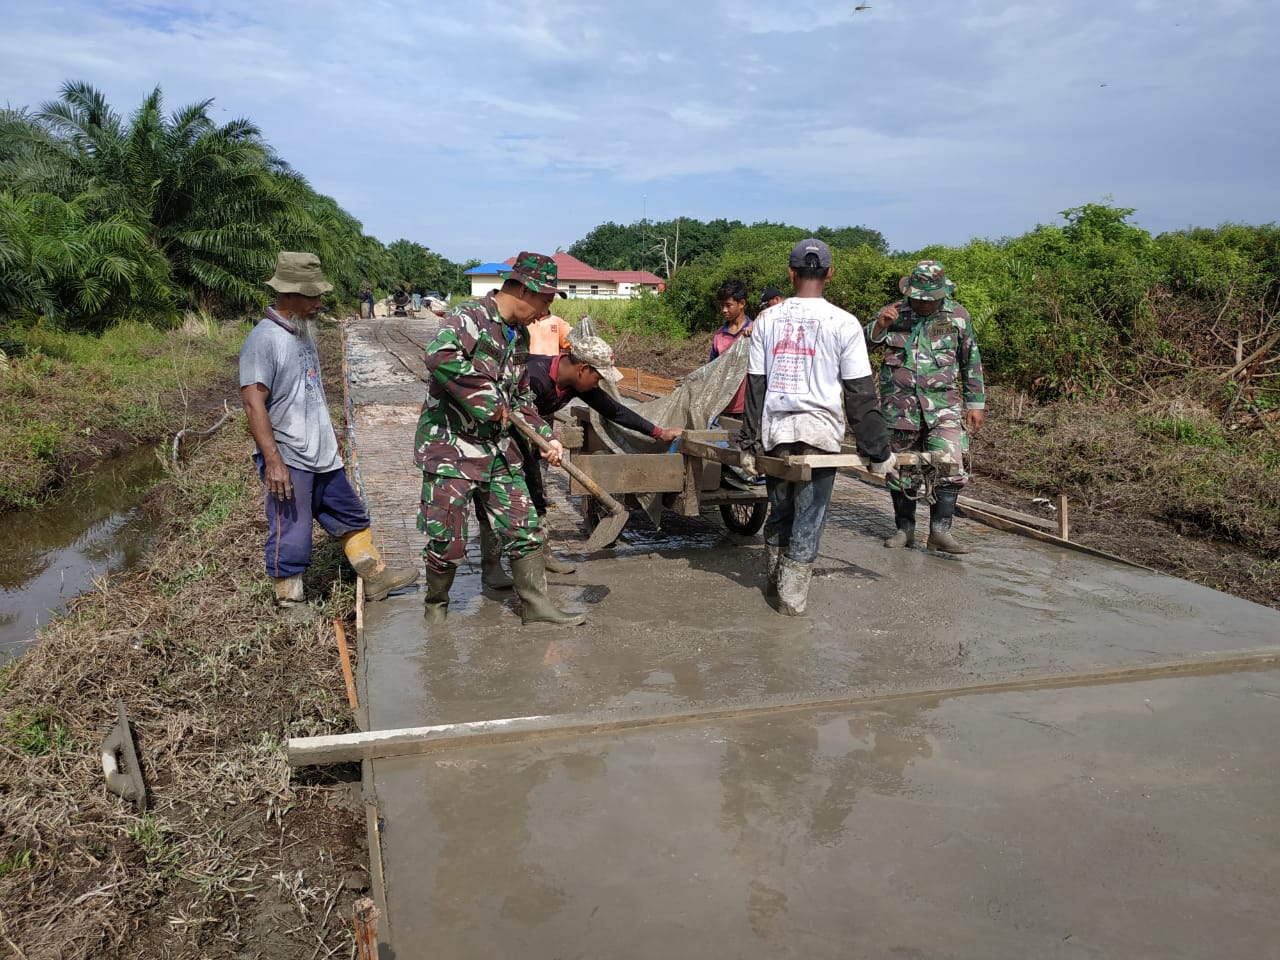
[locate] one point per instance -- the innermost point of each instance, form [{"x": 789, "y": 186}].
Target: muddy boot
[
  {"x": 556, "y": 565},
  {"x": 531, "y": 584},
  {"x": 940, "y": 514},
  {"x": 904, "y": 518},
  {"x": 491, "y": 573},
  {"x": 793, "y": 586},
  {"x": 436, "y": 605},
  {"x": 772, "y": 554},
  {"x": 290, "y": 600},
  {"x": 379, "y": 579}
]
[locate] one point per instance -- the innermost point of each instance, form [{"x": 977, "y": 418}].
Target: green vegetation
[
  {"x": 105, "y": 218},
  {"x": 37, "y": 731},
  {"x": 68, "y": 399}
]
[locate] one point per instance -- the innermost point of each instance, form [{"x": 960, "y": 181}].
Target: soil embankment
[{"x": 233, "y": 856}]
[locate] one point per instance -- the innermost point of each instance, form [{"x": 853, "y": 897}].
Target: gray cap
[
  {"x": 811, "y": 245},
  {"x": 597, "y": 354}
]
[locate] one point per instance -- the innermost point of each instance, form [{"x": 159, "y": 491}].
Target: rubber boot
[
  {"x": 940, "y": 515},
  {"x": 491, "y": 573},
  {"x": 436, "y": 605},
  {"x": 553, "y": 563},
  {"x": 904, "y": 518},
  {"x": 290, "y": 599},
  {"x": 379, "y": 579},
  {"x": 530, "y": 574},
  {"x": 772, "y": 554},
  {"x": 793, "y": 586}
]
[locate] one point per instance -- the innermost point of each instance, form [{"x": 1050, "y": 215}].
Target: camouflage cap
[
  {"x": 536, "y": 271},
  {"x": 299, "y": 273},
  {"x": 596, "y": 354},
  {"x": 928, "y": 281}
]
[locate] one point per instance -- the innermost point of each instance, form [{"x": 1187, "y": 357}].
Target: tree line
[{"x": 106, "y": 218}]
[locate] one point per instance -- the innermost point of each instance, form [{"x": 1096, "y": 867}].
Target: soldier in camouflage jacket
[
  {"x": 931, "y": 393},
  {"x": 465, "y": 445}
]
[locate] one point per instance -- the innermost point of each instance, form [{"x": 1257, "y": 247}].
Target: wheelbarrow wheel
[{"x": 744, "y": 518}]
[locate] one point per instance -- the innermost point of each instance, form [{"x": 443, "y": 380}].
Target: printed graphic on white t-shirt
[{"x": 793, "y": 356}]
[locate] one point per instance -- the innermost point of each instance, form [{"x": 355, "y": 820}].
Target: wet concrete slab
[
  {"x": 1136, "y": 820},
  {"x": 872, "y": 830}
]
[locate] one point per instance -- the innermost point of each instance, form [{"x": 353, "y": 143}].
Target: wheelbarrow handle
[{"x": 540, "y": 442}]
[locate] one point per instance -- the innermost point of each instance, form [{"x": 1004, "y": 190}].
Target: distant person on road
[
  {"x": 932, "y": 394},
  {"x": 808, "y": 371},
  {"x": 366, "y": 301},
  {"x": 477, "y": 380},
  {"x": 732, "y": 300},
  {"x": 297, "y": 451},
  {"x": 770, "y": 297}
]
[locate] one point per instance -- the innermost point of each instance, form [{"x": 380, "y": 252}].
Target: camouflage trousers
[
  {"x": 950, "y": 438},
  {"x": 446, "y": 502}
]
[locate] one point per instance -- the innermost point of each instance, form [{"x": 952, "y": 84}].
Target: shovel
[{"x": 609, "y": 526}]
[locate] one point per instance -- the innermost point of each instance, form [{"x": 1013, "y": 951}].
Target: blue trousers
[
  {"x": 798, "y": 508},
  {"x": 327, "y": 498}
]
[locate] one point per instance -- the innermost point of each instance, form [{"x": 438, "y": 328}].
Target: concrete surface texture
[{"x": 1095, "y": 820}]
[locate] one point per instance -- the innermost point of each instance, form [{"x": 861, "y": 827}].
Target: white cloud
[{"x": 415, "y": 117}]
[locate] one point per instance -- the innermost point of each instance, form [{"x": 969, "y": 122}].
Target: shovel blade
[{"x": 607, "y": 530}]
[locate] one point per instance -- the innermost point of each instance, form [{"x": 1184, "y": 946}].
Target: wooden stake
[
  {"x": 346, "y": 665},
  {"x": 1064, "y": 519},
  {"x": 365, "y": 917}
]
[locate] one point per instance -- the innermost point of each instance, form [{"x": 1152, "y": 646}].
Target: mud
[{"x": 1120, "y": 820}]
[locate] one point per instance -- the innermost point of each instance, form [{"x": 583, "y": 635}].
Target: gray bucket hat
[
  {"x": 299, "y": 273},
  {"x": 595, "y": 353}
]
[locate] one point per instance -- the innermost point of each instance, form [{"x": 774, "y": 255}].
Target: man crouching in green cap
[
  {"x": 465, "y": 445},
  {"x": 931, "y": 393}
]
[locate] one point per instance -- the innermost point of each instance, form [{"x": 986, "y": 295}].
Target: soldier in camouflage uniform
[
  {"x": 465, "y": 445},
  {"x": 931, "y": 393}
]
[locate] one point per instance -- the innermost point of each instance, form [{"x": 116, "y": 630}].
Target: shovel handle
[{"x": 591, "y": 486}]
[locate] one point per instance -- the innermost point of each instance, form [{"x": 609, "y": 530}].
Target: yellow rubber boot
[{"x": 379, "y": 579}]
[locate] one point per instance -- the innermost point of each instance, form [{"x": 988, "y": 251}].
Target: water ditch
[{"x": 93, "y": 528}]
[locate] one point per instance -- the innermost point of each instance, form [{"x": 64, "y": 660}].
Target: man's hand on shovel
[{"x": 554, "y": 453}]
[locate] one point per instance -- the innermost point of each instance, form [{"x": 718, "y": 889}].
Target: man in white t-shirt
[{"x": 808, "y": 372}]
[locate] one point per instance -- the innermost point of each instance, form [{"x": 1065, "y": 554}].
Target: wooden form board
[
  {"x": 646, "y": 383},
  {"x": 410, "y": 741}
]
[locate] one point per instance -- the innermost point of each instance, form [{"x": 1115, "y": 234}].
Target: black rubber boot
[
  {"x": 437, "y": 599},
  {"x": 491, "y": 573},
  {"x": 904, "y": 518},
  {"x": 530, "y": 575},
  {"x": 940, "y": 515}
]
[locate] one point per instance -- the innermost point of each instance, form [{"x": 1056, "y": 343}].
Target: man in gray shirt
[{"x": 297, "y": 450}]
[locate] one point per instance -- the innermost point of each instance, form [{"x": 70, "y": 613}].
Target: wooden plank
[
  {"x": 412, "y": 741},
  {"x": 732, "y": 456},
  {"x": 1011, "y": 526},
  {"x": 631, "y": 472},
  {"x": 1064, "y": 519},
  {"x": 1025, "y": 519},
  {"x": 634, "y": 379}
]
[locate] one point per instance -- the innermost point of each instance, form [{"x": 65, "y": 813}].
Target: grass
[
  {"x": 71, "y": 399},
  {"x": 213, "y": 684}
]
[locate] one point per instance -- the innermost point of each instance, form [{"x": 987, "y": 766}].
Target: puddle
[{"x": 53, "y": 553}]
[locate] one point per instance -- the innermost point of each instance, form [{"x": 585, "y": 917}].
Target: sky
[{"x": 483, "y": 128}]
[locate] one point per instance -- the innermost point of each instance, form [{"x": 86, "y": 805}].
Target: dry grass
[{"x": 232, "y": 858}]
